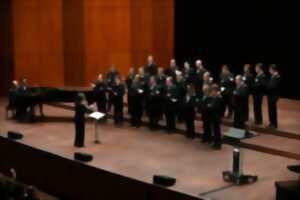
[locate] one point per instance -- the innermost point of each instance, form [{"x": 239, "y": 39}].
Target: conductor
[{"x": 81, "y": 107}]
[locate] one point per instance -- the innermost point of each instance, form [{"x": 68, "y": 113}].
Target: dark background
[{"x": 225, "y": 32}]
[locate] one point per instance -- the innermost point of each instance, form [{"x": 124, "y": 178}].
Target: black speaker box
[
  {"x": 14, "y": 135},
  {"x": 164, "y": 180},
  {"x": 294, "y": 168},
  {"x": 84, "y": 157}
]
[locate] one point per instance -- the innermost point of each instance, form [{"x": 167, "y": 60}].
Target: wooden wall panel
[
  {"x": 163, "y": 34},
  {"x": 152, "y": 24},
  {"x": 6, "y": 46},
  {"x": 38, "y": 41},
  {"x": 141, "y": 34},
  {"x": 107, "y": 36},
  {"x": 68, "y": 42},
  {"x": 73, "y": 36}
]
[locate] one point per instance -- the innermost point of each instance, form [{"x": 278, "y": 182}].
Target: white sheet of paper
[{"x": 97, "y": 115}]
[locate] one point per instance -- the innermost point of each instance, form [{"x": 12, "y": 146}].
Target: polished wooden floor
[{"x": 140, "y": 153}]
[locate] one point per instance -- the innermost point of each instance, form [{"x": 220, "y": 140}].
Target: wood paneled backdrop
[{"x": 68, "y": 42}]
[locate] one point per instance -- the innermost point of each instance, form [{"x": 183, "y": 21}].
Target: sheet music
[{"x": 97, "y": 115}]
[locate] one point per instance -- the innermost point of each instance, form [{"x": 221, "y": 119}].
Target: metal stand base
[{"x": 228, "y": 176}]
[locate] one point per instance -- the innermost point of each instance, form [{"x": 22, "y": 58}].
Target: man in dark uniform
[
  {"x": 118, "y": 92},
  {"x": 188, "y": 73},
  {"x": 81, "y": 107},
  {"x": 273, "y": 95},
  {"x": 171, "y": 70},
  {"x": 240, "y": 102},
  {"x": 227, "y": 86},
  {"x": 248, "y": 79},
  {"x": 204, "y": 114},
  {"x": 99, "y": 90},
  {"x": 160, "y": 77},
  {"x": 171, "y": 103},
  {"x": 188, "y": 109},
  {"x": 181, "y": 87},
  {"x": 213, "y": 108},
  {"x": 137, "y": 95},
  {"x": 154, "y": 103},
  {"x": 151, "y": 67},
  {"x": 259, "y": 89},
  {"x": 198, "y": 80},
  {"x": 129, "y": 80},
  {"x": 110, "y": 80}
]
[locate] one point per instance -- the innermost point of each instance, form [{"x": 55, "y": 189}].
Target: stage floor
[{"x": 140, "y": 153}]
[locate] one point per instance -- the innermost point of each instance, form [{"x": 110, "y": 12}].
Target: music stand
[{"x": 96, "y": 116}]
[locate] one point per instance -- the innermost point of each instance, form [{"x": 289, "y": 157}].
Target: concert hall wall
[
  {"x": 6, "y": 46},
  {"x": 238, "y": 32},
  {"x": 68, "y": 42}
]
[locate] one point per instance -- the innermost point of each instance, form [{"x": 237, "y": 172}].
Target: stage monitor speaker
[
  {"x": 162, "y": 180},
  {"x": 294, "y": 168},
  {"x": 84, "y": 157},
  {"x": 12, "y": 135}
]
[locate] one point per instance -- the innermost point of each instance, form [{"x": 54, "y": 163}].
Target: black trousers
[
  {"x": 247, "y": 110},
  {"x": 101, "y": 105},
  {"x": 212, "y": 126},
  {"x": 272, "y": 108},
  {"x": 118, "y": 112},
  {"x": 79, "y": 133},
  {"x": 258, "y": 99},
  {"x": 190, "y": 126},
  {"x": 206, "y": 130},
  {"x": 180, "y": 111},
  {"x": 136, "y": 116},
  {"x": 239, "y": 119},
  {"x": 170, "y": 118},
  {"x": 154, "y": 116},
  {"x": 227, "y": 103}
]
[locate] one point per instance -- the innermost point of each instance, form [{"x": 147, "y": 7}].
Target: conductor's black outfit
[
  {"x": 273, "y": 96},
  {"x": 79, "y": 119},
  {"x": 240, "y": 105},
  {"x": 171, "y": 103},
  {"x": 259, "y": 89},
  {"x": 99, "y": 91},
  {"x": 188, "y": 108},
  {"x": 137, "y": 96},
  {"x": 227, "y": 87},
  {"x": 118, "y": 92}
]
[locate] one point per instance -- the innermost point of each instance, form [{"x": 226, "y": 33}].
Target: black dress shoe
[
  {"x": 271, "y": 126},
  {"x": 216, "y": 147}
]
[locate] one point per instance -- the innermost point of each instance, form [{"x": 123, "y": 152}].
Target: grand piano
[{"x": 25, "y": 102}]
